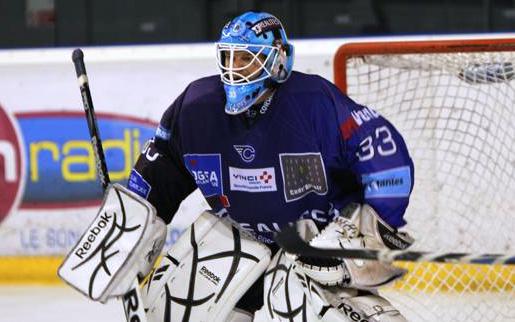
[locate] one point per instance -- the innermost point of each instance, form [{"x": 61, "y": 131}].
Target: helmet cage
[{"x": 232, "y": 75}]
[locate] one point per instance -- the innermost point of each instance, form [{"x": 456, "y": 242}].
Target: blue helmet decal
[{"x": 252, "y": 49}]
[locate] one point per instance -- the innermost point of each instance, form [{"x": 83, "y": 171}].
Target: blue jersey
[{"x": 302, "y": 154}]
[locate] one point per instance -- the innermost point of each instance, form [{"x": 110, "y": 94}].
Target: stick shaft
[
  {"x": 94, "y": 133},
  {"x": 132, "y": 302},
  {"x": 289, "y": 240}
]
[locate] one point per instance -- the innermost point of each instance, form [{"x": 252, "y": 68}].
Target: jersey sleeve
[
  {"x": 375, "y": 153},
  {"x": 159, "y": 175}
]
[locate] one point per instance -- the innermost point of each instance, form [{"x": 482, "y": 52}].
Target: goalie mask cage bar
[{"x": 454, "y": 103}]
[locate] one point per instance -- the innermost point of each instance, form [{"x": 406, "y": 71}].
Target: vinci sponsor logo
[
  {"x": 61, "y": 169},
  {"x": 252, "y": 180},
  {"x": 392, "y": 183},
  {"x": 11, "y": 164}
]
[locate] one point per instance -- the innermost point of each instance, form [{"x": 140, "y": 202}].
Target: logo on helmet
[
  {"x": 265, "y": 25},
  {"x": 11, "y": 165}
]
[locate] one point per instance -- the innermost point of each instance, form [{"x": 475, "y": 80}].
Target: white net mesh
[{"x": 456, "y": 112}]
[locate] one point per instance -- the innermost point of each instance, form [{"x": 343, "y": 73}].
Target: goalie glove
[
  {"x": 354, "y": 228},
  {"x": 327, "y": 271}
]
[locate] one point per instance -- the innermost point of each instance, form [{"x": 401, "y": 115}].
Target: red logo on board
[{"x": 11, "y": 165}]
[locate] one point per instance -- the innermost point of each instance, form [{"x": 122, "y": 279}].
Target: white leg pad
[
  {"x": 285, "y": 296},
  {"x": 370, "y": 308},
  {"x": 239, "y": 316},
  {"x": 205, "y": 273},
  {"x": 291, "y": 295}
]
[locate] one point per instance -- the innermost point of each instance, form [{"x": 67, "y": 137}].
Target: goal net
[{"x": 454, "y": 103}]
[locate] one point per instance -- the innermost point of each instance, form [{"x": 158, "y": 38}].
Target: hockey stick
[
  {"x": 290, "y": 241},
  {"x": 132, "y": 299},
  {"x": 87, "y": 102}
]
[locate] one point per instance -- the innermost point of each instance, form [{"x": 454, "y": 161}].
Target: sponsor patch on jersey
[
  {"x": 163, "y": 133},
  {"x": 356, "y": 119},
  {"x": 206, "y": 169},
  {"x": 138, "y": 185},
  {"x": 252, "y": 180},
  {"x": 392, "y": 183},
  {"x": 302, "y": 173},
  {"x": 364, "y": 114}
]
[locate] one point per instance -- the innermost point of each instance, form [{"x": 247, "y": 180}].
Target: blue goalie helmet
[{"x": 253, "y": 54}]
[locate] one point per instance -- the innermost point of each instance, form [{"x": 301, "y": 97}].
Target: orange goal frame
[{"x": 349, "y": 50}]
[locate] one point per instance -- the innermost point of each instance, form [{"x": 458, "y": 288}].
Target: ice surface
[{"x": 54, "y": 304}]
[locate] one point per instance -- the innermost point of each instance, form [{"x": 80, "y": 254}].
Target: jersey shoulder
[
  {"x": 300, "y": 83},
  {"x": 316, "y": 92},
  {"x": 195, "y": 102},
  {"x": 204, "y": 90}
]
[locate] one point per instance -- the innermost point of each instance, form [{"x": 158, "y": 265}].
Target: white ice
[
  {"x": 54, "y": 304},
  {"x": 63, "y": 304}
]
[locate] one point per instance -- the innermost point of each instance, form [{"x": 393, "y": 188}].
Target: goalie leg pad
[
  {"x": 239, "y": 316},
  {"x": 291, "y": 295},
  {"x": 370, "y": 308},
  {"x": 351, "y": 305},
  {"x": 284, "y": 296},
  {"x": 205, "y": 273}
]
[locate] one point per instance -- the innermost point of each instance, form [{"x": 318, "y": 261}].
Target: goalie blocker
[{"x": 122, "y": 243}]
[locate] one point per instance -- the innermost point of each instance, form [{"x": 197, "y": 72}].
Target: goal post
[{"x": 454, "y": 103}]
